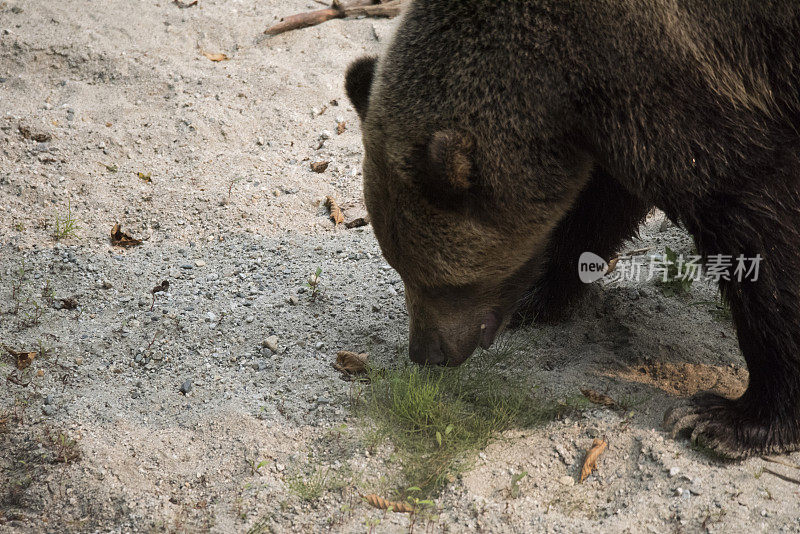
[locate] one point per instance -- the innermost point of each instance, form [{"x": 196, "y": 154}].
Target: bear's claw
[{"x": 724, "y": 428}]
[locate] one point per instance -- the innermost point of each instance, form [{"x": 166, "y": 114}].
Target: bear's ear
[
  {"x": 447, "y": 172},
  {"x": 358, "y": 83}
]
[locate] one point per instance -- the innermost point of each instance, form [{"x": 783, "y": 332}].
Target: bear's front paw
[{"x": 731, "y": 428}]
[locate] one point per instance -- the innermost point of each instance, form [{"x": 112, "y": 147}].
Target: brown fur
[{"x": 502, "y": 139}]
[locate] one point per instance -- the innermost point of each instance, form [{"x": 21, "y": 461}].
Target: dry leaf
[
  {"x": 596, "y": 397},
  {"x": 27, "y": 133},
  {"x": 350, "y": 362},
  {"x": 163, "y": 286},
  {"x": 320, "y": 166},
  {"x": 216, "y": 57},
  {"x": 69, "y": 303},
  {"x": 24, "y": 359},
  {"x": 382, "y": 504},
  {"x": 612, "y": 264},
  {"x": 336, "y": 213},
  {"x": 355, "y": 223},
  {"x": 121, "y": 239},
  {"x": 341, "y": 127},
  {"x": 590, "y": 464}
]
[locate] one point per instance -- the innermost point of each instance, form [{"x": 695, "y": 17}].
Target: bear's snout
[{"x": 426, "y": 349}]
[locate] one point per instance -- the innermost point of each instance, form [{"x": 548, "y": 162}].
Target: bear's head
[{"x": 453, "y": 206}]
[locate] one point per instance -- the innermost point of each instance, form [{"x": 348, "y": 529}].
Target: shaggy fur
[{"x": 502, "y": 139}]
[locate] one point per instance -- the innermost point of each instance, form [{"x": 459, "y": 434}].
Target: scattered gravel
[{"x": 198, "y": 407}]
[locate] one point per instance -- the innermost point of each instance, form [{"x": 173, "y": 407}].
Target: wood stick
[
  {"x": 304, "y": 20},
  {"x": 339, "y": 9},
  {"x": 388, "y": 9}
]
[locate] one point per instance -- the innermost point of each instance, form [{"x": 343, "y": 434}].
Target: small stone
[
  {"x": 294, "y": 301},
  {"x": 186, "y": 387},
  {"x": 319, "y": 345},
  {"x": 674, "y": 471},
  {"x": 78, "y": 361},
  {"x": 187, "y": 266},
  {"x": 211, "y": 317},
  {"x": 199, "y": 263},
  {"x": 326, "y": 134},
  {"x": 48, "y": 410},
  {"x": 250, "y": 319},
  {"x": 678, "y": 492},
  {"x": 272, "y": 343},
  {"x": 567, "y": 480}
]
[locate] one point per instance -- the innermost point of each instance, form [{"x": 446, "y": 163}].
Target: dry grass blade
[
  {"x": 121, "y": 239},
  {"x": 590, "y": 464},
  {"x": 336, "y": 212},
  {"x": 595, "y": 397},
  {"x": 382, "y": 504}
]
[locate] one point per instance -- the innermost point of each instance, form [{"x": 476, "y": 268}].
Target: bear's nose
[{"x": 425, "y": 349}]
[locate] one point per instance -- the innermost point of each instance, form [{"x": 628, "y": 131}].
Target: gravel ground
[{"x": 195, "y": 408}]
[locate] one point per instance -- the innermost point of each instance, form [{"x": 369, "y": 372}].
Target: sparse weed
[
  {"x": 312, "y": 484},
  {"x": 677, "y": 280},
  {"x": 66, "y": 226},
  {"x": 64, "y": 448},
  {"x": 437, "y": 418},
  {"x": 313, "y": 283},
  {"x": 514, "y": 490}
]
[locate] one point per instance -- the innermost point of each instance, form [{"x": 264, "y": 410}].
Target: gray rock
[
  {"x": 48, "y": 409},
  {"x": 186, "y": 387},
  {"x": 272, "y": 343}
]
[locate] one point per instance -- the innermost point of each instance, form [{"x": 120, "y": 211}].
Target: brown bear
[{"x": 503, "y": 139}]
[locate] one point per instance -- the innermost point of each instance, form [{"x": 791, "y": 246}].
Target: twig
[
  {"x": 338, "y": 10},
  {"x": 781, "y": 462},
  {"x": 782, "y": 477}
]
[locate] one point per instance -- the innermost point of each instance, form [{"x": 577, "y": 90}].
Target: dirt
[{"x": 200, "y": 407}]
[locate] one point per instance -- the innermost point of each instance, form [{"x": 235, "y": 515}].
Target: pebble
[
  {"x": 48, "y": 409},
  {"x": 186, "y": 387},
  {"x": 250, "y": 319},
  {"x": 211, "y": 317},
  {"x": 674, "y": 471},
  {"x": 567, "y": 480},
  {"x": 200, "y": 263},
  {"x": 272, "y": 343}
]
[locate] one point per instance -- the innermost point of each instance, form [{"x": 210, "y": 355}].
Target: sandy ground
[{"x": 231, "y": 217}]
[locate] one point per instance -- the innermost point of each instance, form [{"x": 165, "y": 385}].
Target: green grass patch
[{"x": 437, "y": 419}]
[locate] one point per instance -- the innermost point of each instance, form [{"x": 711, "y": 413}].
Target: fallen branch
[{"x": 338, "y": 10}]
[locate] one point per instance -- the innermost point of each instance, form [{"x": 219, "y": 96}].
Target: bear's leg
[
  {"x": 603, "y": 216},
  {"x": 766, "y": 311}
]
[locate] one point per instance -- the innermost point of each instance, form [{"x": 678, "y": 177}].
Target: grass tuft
[
  {"x": 67, "y": 226},
  {"x": 438, "y": 418}
]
